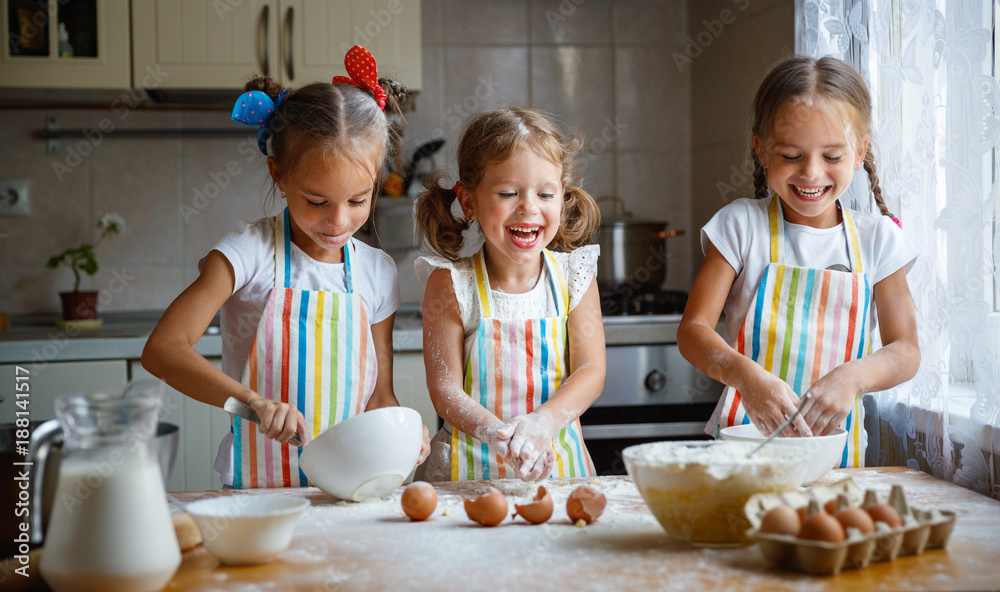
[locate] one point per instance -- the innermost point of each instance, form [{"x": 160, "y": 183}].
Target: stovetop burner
[{"x": 647, "y": 302}]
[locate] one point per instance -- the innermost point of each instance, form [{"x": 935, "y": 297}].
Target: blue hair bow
[{"x": 256, "y": 108}]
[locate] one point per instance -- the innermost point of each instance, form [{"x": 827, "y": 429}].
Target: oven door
[{"x": 651, "y": 393}]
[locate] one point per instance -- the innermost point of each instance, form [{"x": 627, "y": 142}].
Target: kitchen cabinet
[
  {"x": 409, "y": 383},
  {"x": 221, "y": 44},
  {"x": 65, "y": 44},
  {"x": 48, "y": 381},
  {"x": 202, "y": 428}
]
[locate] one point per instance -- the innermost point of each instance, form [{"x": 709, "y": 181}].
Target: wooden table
[{"x": 373, "y": 546}]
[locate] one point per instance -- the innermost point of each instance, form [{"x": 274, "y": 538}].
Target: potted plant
[{"x": 77, "y": 305}]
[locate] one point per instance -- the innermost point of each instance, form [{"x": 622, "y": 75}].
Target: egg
[
  {"x": 830, "y": 507},
  {"x": 822, "y": 527},
  {"x": 419, "y": 500},
  {"x": 585, "y": 503},
  {"x": 855, "y": 518},
  {"x": 489, "y": 509},
  {"x": 781, "y": 520},
  {"x": 885, "y": 513},
  {"x": 537, "y": 511}
]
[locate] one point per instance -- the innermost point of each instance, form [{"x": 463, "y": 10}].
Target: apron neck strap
[
  {"x": 559, "y": 288},
  {"x": 283, "y": 253},
  {"x": 776, "y": 220}
]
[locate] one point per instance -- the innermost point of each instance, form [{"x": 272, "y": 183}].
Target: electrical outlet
[{"x": 14, "y": 197}]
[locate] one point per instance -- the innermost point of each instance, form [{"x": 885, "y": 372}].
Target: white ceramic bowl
[
  {"x": 697, "y": 489},
  {"x": 824, "y": 451},
  {"x": 247, "y": 529},
  {"x": 368, "y": 455}
]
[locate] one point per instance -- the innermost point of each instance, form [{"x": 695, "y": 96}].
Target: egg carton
[{"x": 922, "y": 529}]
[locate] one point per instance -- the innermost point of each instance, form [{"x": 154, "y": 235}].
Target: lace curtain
[{"x": 930, "y": 65}]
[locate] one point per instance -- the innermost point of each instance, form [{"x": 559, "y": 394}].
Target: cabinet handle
[
  {"x": 288, "y": 41},
  {"x": 265, "y": 16}
]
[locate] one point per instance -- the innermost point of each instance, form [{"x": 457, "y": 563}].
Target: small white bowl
[
  {"x": 247, "y": 529},
  {"x": 368, "y": 455},
  {"x": 824, "y": 452}
]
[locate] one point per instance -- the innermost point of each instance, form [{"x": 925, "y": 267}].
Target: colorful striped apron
[
  {"x": 313, "y": 349},
  {"x": 514, "y": 366},
  {"x": 804, "y": 322}
]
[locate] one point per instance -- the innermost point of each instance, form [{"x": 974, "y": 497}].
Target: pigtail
[
  {"x": 439, "y": 228},
  {"x": 397, "y": 98},
  {"x": 581, "y": 217},
  {"x": 873, "y": 181},
  {"x": 265, "y": 85},
  {"x": 760, "y": 188}
]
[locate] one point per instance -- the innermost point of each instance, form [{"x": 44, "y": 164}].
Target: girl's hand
[
  {"x": 769, "y": 401},
  {"x": 832, "y": 397},
  {"x": 425, "y": 447},
  {"x": 279, "y": 421},
  {"x": 531, "y": 444},
  {"x": 494, "y": 436}
]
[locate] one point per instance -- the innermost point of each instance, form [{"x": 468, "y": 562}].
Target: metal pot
[{"x": 633, "y": 251}]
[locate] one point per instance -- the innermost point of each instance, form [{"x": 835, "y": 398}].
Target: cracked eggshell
[
  {"x": 537, "y": 511},
  {"x": 419, "y": 500},
  {"x": 585, "y": 503},
  {"x": 489, "y": 509}
]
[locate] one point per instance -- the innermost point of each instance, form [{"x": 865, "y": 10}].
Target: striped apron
[
  {"x": 803, "y": 323},
  {"x": 313, "y": 349},
  {"x": 512, "y": 367}
]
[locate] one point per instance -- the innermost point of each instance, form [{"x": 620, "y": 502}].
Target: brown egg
[
  {"x": 856, "y": 518},
  {"x": 489, "y": 509},
  {"x": 419, "y": 500},
  {"x": 537, "y": 511},
  {"x": 801, "y": 511},
  {"x": 885, "y": 513},
  {"x": 781, "y": 520},
  {"x": 585, "y": 503},
  {"x": 830, "y": 507},
  {"x": 822, "y": 527}
]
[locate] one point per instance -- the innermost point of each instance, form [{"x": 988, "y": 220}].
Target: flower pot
[{"x": 79, "y": 305}]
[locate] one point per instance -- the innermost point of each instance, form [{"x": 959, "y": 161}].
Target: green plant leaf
[{"x": 89, "y": 266}]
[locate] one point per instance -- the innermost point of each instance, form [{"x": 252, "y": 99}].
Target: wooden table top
[{"x": 372, "y": 546}]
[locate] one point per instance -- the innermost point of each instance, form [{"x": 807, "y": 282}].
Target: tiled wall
[{"x": 597, "y": 65}]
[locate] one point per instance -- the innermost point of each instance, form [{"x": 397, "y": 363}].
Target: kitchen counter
[
  {"x": 123, "y": 335},
  {"x": 373, "y": 546}
]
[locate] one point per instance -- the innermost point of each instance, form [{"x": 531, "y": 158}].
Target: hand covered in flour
[
  {"x": 769, "y": 401},
  {"x": 279, "y": 421},
  {"x": 425, "y": 447},
  {"x": 832, "y": 397},
  {"x": 495, "y": 436},
  {"x": 531, "y": 452}
]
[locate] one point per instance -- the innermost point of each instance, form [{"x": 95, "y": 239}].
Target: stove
[
  {"x": 628, "y": 302},
  {"x": 651, "y": 393}
]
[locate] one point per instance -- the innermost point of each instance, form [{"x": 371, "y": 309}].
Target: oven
[{"x": 651, "y": 393}]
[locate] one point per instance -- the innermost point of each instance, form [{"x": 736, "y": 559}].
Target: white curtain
[{"x": 930, "y": 65}]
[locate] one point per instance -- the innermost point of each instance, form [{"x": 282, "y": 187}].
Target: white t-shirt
[
  {"x": 251, "y": 253},
  {"x": 741, "y": 233},
  {"x": 578, "y": 268}
]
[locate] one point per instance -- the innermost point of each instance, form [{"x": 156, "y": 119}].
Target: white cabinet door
[
  {"x": 199, "y": 44},
  {"x": 220, "y": 45},
  {"x": 316, "y": 34},
  {"x": 202, "y": 428},
  {"x": 31, "y": 55},
  {"x": 409, "y": 382},
  {"x": 48, "y": 381}
]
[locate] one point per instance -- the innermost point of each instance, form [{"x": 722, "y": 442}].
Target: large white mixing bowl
[
  {"x": 824, "y": 452},
  {"x": 368, "y": 455}
]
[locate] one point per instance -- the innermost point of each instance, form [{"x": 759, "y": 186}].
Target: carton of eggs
[{"x": 829, "y": 528}]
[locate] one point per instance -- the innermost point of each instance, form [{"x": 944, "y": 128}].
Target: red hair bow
[{"x": 361, "y": 66}]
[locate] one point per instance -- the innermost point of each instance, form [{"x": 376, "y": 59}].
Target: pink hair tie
[
  {"x": 456, "y": 186},
  {"x": 898, "y": 223}
]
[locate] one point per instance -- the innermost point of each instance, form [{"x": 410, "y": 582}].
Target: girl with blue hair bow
[{"x": 322, "y": 303}]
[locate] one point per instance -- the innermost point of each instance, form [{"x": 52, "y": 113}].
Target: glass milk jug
[{"x": 110, "y": 527}]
